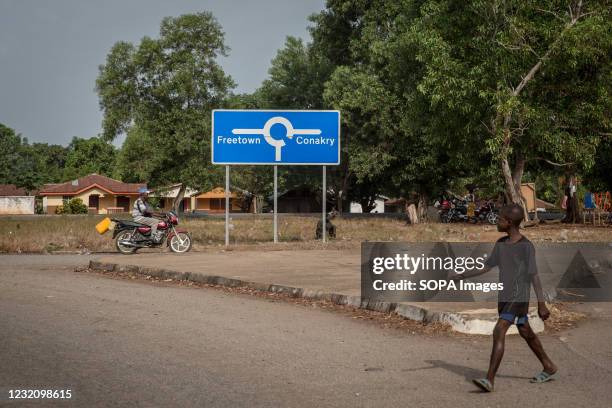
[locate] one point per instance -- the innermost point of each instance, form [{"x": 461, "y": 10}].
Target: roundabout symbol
[{"x": 277, "y": 143}]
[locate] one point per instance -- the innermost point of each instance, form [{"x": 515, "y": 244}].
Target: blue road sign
[{"x": 275, "y": 137}]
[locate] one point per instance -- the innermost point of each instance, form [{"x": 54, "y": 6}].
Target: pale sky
[{"x": 50, "y": 52}]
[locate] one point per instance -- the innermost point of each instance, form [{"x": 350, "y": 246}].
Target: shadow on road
[{"x": 468, "y": 373}]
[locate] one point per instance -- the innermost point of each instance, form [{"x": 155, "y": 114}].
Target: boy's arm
[{"x": 543, "y": 311}]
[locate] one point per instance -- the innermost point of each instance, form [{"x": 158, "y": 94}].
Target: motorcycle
[
  {"x": 486, "y": 212},
  {"x": 130, "y": 236},
  {"x": 443, "y": 209},
  {"x": 458, "y": 211}
]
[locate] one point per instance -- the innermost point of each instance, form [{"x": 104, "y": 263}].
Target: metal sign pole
[
  {"x": 227, "y": 201},
  {"x": 324, "y": 202},
  {"x": 275, "y": 204}
]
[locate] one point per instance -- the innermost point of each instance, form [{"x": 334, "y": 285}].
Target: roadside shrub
[{"x": 72, "y": 206}]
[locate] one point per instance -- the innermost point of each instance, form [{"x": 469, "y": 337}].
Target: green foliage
[
  {"x": 599, "y": 178},
  {"x": 17, "y": 166},
  {"x": 86, "y": 156},
  {"x": 433, "y": 94},
  {"x": 297, "y": 77},
  {"x": 72, "y": 206},
  {"x": 32, "y": 165},
  {"x": 10, "y": 143},
  {"x": 50, "y": 161},
  {"x": 533, "y": 77},
  {"x": 161, "y": 92}
]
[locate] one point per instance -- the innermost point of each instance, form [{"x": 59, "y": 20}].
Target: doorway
[{"x": 94, "y": 202}]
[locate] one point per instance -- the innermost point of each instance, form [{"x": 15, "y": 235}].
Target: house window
[{"x": 65, "y": 199}]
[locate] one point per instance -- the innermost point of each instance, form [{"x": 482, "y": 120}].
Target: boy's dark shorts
[
  {"x": 519, "y": 320},
  {"x": 514, "y": 312}
]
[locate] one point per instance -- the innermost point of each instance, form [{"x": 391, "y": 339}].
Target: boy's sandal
[
  {"x": 483, "y": 384},
  {"x": 543, "y": 377}
]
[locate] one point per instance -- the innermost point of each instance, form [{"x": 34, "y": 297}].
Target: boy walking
[{"x": 514, "y": 254}]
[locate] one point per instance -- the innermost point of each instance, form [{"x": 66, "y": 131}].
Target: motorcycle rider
[{"x": 143, "y": 213}]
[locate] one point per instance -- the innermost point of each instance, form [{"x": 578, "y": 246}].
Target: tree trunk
[
  {"x": 422, "y": 207},
  {"x": 572, "y": 212},
  {"x": 412, "y": 214},
  {"x": 343, "y": 193},
  {"x": 512, "y": 179},
  {"x": 368, "y": 204},
  {"x": 179, "y": 197}
]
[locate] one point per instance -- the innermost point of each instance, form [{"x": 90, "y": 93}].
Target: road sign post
[
  {"x": 275, "y": 204},
  {"x": 227, "y": 203},
  {"x": 275, "y": 137},
  {"x": 324, "y": 203}
]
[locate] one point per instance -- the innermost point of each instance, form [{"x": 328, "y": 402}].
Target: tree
[
  {"x": 136, "y": 158},
  {"x": 532, "y": 75},
  {"x": 10, "y": 145},
  {"x": 20, "y": 165},
  {"x": 368, "y": 129},
  {"x": 396, "y": 142},
  {"x": 336, "y": 34},
  {"x": 161, "y": 92},
  {"x": 87, "y": 156},
  {"x": 297, "y": 78},
  {"x": 50, "y": 161}
]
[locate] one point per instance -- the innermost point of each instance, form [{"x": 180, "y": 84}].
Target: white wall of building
[
  {"x": 15, "y": 205},
  {"x": 380, "y": 207}
]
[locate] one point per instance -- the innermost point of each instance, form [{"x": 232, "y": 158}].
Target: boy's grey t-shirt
[{"x": 517, "y": 265}]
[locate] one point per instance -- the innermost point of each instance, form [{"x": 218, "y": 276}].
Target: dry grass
[{"x": 77, "y": 233}]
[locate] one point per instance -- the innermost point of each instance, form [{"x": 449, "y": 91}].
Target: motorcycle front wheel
[
  {"x": 492, "y": 218},
  {"x": 124, "y": 236},
  {"x": 180, "y": 242}
]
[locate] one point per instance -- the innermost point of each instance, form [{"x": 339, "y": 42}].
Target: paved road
[{"x": 128, "y": 343}]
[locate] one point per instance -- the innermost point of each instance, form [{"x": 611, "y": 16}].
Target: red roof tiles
[{"x": 93, "y": 180}]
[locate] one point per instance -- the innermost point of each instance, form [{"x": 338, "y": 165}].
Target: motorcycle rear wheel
[{"x": 124, "y": 236}]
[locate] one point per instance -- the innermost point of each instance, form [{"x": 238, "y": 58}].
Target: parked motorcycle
[
  {"x": 486, "y": 213},
  {"x": 443, "y": 208},
  {"x": 130, "y": 236},
  {"x": 458, "y": 211}
]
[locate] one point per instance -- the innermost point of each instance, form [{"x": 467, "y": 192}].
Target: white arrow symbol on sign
[{"x": 276, "y": 143}]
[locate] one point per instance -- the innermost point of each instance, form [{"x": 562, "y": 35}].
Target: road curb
[{"x": 481, "y": 323}]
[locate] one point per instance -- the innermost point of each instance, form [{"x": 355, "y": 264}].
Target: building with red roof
[{"x": 101, "y": 194}]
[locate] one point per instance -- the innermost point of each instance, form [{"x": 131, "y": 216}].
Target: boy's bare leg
[
  {"x": 499, "y": 340},
  {"x": 535, "y": 345}
]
